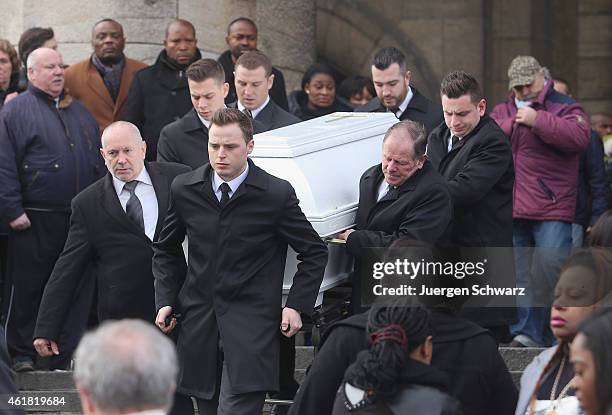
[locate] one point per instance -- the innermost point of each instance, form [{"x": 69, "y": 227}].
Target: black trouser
[
  {"x": 288, "y": 385},
  {"x": 32, "y": 254}
]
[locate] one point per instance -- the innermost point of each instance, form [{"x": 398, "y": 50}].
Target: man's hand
[
  {"x": 526, "y": 116},
  {"x": 46, "y": 347},
  {"x": 160, "y": 321},
  {"x": 344, "y": 235},
  {"x": 291, "y": 322},
  {"x": 21, "y": 223}
]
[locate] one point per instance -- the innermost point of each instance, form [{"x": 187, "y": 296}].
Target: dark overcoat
[
  {"x": 420, "y": 109},
  {"x": 102, "y": 234},
  {"x": 185, "y": 141},
  {"x": 158, "y": 95},
  {"x": 480, "y": 175},
  {"x": 233, "y": 287}
]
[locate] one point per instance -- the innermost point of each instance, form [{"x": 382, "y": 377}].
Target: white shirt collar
[
  {"x": 256, "y": 110},
  {"x": 206, "y": 123},
  {"x": 233, "y": 184},
  {"x": 143, "y": 177},
  {"x": 405, "y": 103}
]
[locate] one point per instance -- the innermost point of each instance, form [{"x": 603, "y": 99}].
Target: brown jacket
[{"x": 83, "y": 81}]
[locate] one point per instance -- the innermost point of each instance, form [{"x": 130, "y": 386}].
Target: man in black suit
[
  {"x": 113, "y": 223},
  {"x": 242, "y": 37},
  {"x": 185, "y": 140},
  {"x": 474, "y": 155},
  {"x": 404, "y": 197},
  {"x": 395, "y": 94},
  {"x": 253, "y": 80},
  {"x": 238, "y": 220}
]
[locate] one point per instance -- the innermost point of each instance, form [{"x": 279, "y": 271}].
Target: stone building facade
[{"x": 573, "y": 38}]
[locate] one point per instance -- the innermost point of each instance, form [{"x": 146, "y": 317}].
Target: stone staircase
[{"x": 59, "y": 383}]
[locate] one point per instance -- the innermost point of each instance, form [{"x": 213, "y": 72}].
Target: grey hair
[
  {"x": 126, "y": 365},
  {"x": 33, "y": 56},
  {"x": 410, "y": 130},
  {"x": 133, "y": 130}
]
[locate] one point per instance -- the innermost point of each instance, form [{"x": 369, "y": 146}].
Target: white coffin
[{"x": 323, "y": 159}]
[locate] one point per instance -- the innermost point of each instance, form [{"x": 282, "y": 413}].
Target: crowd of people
[{"x": 109, "y": 165}]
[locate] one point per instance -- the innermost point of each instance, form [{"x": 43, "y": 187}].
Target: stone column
[{"x": 287, "y": 36}]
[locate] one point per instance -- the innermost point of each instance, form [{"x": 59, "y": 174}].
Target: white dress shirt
[
  {"x": 146, "y": 194},
  {"x": 405, "y": 103},
  {"x": 383, "y": 189},
  {"x": 217, "y": 181},
  {"x": 256, "y": 110}
]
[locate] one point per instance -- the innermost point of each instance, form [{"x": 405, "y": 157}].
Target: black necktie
[
  {"x": 454, "y": 141},
  {"x": 248, "y": 113},
  {"x": 133, "y": 208},
  {"x": 225, "y": 190}
]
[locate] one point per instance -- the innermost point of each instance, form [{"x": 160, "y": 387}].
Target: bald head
[
  {"x": 123, "y": 150},
  {"x": 46, "y": 71},
  {"x": 122, "y": 128},
  {"x": 176, "y": 23}
]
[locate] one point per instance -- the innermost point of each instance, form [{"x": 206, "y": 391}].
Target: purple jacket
[{"x": 546, "y": 155}]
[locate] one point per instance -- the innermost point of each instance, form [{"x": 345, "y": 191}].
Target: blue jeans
[{"x": 540, "y": 248}]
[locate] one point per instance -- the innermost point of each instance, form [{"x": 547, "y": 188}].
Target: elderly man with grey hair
[
  {"x": 48, "y": 154},
  {"x": 125, "y": 367},
  {"x": 113, "y": 223}
]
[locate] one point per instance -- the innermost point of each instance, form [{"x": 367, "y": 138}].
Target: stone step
[{"x": 516, "y": 360}]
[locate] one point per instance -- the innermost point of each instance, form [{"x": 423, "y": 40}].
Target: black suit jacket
[
  {"x": 419, "y": 109},
  {"x": 480, "y": 175},
  {"x": 273, "y": 116},
  {"x": 185, "y": 141},
  {"x": 101, "y": 233},
  {"x": 278, "y": 92},
  {"x": 233, "y": 286},
  {"x": 270, "y": 117},
  {"x": 420, "y": 210}
]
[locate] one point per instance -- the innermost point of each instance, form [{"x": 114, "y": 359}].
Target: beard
[{"x": 111, "y": 60}]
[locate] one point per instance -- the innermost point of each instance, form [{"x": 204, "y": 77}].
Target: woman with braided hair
[{"x": 394, "y": 375}]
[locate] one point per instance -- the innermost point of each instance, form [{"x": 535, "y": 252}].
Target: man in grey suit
[{"x": 253, "y": 79}]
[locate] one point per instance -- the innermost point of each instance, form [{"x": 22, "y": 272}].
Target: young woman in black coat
[
  {"x": 318, "y": 94},
  {"x": 394, "y": 375}
]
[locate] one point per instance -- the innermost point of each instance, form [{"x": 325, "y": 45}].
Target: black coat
[
  {"x": 298, "y": 106},
  {"x": 480, "y": 175},
  {"x": 233, "y": 286},
  {"x": 419, "y": 109},
  {"x": 420, "y": 210},
  {"x": 158, "y": 95},
  {"x": 278, "y": 92},
  {"x": 272, "y": 116},
  {"x": 468, "y": 354},
  {"x": 185, "y": 141},
  {"x": 420, "y": 389},
  {"x": 101, "y": 233}
]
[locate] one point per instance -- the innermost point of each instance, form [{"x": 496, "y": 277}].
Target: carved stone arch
[{"x": 350, "y": 32}]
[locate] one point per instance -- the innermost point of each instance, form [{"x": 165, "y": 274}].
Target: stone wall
[
  {"x": 290, "y": 45},
  {"x": 572, "y": 37}
]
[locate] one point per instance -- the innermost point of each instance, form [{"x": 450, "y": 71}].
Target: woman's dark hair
[
  {"x": 601, "y": 232},
  {"x": 599, "y": 261},
  {"x": 354, "y": 85},
  {"x": 597, "y": 331},
  {"x": 32, "y": 39},
  {"x": 317, "y": 68},
  {"x": 395, "y": 329}
]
